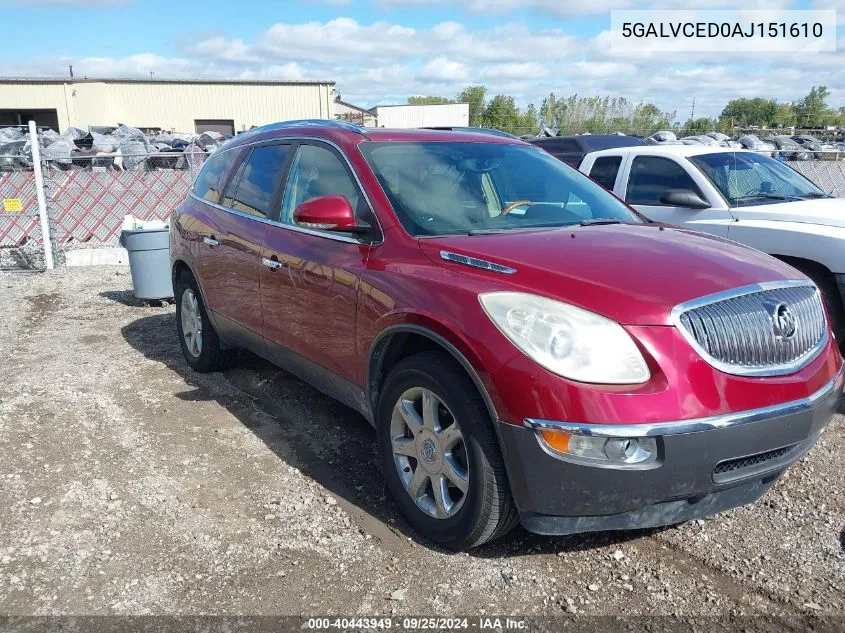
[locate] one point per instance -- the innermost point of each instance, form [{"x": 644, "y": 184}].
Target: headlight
[{"x": 566, "y": 340}]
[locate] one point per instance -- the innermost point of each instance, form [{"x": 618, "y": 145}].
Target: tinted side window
[
  {"x": 604, "y": 170},
  {"x": 213, "y": 175},
  {"x": 317, "y": 171},
  {"x": 651, "y": 176},
  {"x": 257, "y": 179}
]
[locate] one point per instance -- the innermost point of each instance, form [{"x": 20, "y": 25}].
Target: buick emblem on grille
[{"x": 784, "y": 322}]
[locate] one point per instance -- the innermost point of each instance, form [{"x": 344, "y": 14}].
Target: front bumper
[{"x": 703, "y": 466}]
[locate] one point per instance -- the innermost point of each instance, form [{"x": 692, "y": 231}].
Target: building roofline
[
  {"x": 414, "y": 105},
  {"x": 141, "y": 80},
  {"x": 353, "y": 106}
]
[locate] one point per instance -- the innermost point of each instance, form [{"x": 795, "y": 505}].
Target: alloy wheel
[
  {"x": 191, "y": 323},
  {"x": 429, "y": 452}
]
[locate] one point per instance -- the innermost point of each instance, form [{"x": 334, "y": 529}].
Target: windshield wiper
[
  {"x": 533, "y": 227},
  {"x": 599, "y": 221},
  {"x": 765, "y": 196},
  {"x": 814, "y": 196}
]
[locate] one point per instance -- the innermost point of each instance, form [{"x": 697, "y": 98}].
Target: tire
[
  {"x": 829, "y": 290},
  {"x": 485, "y": 510},
  {"x": 833, "y": 301},
  {"x": 204, "y": 353}
]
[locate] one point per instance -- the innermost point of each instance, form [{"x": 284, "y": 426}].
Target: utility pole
[
  {"x": 692, "y": 110},
  {"x": 70, "y": 68}
]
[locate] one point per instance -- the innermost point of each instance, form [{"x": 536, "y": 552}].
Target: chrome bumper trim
[{"x": 698, "y": 424}]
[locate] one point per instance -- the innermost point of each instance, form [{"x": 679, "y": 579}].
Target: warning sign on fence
[{"x": 12, "y": 205}]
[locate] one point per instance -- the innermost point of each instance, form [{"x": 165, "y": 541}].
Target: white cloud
[
  {"x": 385, "y": 62},
  {"x": 523, "y": 71},
  {"x": 441, "y": 69},
  {"x": 561, "y": 8}
]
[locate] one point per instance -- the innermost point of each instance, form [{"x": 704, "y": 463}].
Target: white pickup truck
[{"x": 740, "y": 195}]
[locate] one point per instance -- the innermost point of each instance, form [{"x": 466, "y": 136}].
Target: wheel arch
[{"x": 402, "y": 340}]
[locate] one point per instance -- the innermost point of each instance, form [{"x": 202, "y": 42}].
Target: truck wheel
[
  {"x": 440, "y": 454},
  {"x": 833, "y": 301},
  {"x": 197, "y": 338}
]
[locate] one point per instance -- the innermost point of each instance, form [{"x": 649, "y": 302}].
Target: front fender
[{"x": 822, "y": 244}]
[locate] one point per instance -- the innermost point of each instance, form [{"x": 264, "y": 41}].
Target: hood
[
  {"x": 823, "y": 211},
  {"x": 634, "y": 275}
]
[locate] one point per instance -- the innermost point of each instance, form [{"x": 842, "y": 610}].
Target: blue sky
[{"x": 382, "y": 51}]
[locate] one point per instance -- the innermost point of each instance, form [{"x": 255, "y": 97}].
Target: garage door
[{"x": 226, "y": 127}]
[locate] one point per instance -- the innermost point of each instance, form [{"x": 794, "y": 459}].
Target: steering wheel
[{"x": 514, "y": 205}]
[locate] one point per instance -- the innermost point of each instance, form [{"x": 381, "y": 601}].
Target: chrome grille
[{"x": 737, "y": 332}]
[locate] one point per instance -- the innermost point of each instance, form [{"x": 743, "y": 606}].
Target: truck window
[
  {"x": 604, "y": 170},
  {"x": 651, "y": 176}
]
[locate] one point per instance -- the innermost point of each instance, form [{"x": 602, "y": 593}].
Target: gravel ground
[{"x": 131, "y": 485}]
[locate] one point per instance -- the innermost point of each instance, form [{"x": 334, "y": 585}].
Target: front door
[
  {"x": 651, "y": 176},
  {"x": 309, "y": 279}
]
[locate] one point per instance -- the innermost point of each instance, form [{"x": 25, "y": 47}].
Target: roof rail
[{"x": 329, "y": 123}]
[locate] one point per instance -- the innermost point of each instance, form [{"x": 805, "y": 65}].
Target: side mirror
[
  {"x": 683, "y": 198},
  {"x": 328, "y": 213}
]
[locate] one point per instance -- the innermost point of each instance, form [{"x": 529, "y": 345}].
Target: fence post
[{"x": 42, "y": 199}]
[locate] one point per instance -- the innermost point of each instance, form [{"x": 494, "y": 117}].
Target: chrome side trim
[
  {"x": 293, "y": 227},
  {"x": 697, "y": 425},
  {"x": 474, "y": 262},
  {"x": 739, "y": 370}
]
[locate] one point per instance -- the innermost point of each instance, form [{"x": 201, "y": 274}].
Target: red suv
[{"x": 527, "y": 347}]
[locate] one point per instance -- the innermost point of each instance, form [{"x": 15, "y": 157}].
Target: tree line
[{"x": 600, "y": 115}]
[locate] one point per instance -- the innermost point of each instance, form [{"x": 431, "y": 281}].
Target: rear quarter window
[{"x": 212, "y": 177}]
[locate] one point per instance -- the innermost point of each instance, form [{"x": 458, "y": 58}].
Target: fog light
[
  {"x": 622, "y": 449},
  {"x": 609, "y": 451}
]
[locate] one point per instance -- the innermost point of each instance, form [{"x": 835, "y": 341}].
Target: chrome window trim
[
  {"x": 298, "y": 229},
  {"x": 739, "y": 370},
  {"x": 696, "y": 425},
  {"x": 475, "y": 262}
]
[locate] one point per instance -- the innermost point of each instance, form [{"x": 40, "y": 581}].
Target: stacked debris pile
[{"x": 123, "y": 148}]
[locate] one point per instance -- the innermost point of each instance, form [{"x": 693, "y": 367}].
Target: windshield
[
  {"x": 442, "y": 188},
  {"x": 746, "y": 178}
]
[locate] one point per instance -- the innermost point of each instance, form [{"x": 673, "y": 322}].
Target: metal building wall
[
  {"x": 170, "y": 105},
  {"x": 408, "y": 116}
]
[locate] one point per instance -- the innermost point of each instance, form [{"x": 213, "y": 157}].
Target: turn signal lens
[
  {"x": 610, "y": 451},
  {"x": 558, "y": 441}
]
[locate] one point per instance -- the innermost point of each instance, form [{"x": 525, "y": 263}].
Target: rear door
[
  {"x": 649, "y": 177},
  {"x": 208, "y": 224},
  {"x": 249, "y": 200}
]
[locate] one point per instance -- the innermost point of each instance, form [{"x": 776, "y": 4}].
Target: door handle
[
  {"x": 272, "y": 264},
  {"x": 210, "y": 241}
]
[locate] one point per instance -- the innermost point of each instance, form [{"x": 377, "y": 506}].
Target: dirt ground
[{"x": 131, "y": 485}]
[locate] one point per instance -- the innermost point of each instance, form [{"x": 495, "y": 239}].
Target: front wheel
[{"x": 440, "y": 454}]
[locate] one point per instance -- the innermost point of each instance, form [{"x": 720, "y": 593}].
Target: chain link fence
[
  {"x": 20, "y": 229},
  {"x": 87, "y": 197}
]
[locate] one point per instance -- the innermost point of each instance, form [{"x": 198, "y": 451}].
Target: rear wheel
[
  {"x": 199, "y": 341},
  {"x": 440, "y": 454}
]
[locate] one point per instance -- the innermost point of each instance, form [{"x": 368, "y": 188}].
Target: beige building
[{"x": 169, "y": 105}]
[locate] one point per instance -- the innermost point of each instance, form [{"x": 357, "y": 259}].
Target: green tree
[
  {"x": 429, "y": 100},
  {"x": 785, "y": 116},
  {"x": 812, "y": 110},
  {"x": 699, "y": 126},
  {"x": 476, "y": 97},
  {"x": 757, "y": 111},
  {"x": 501, "y": 113}
]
